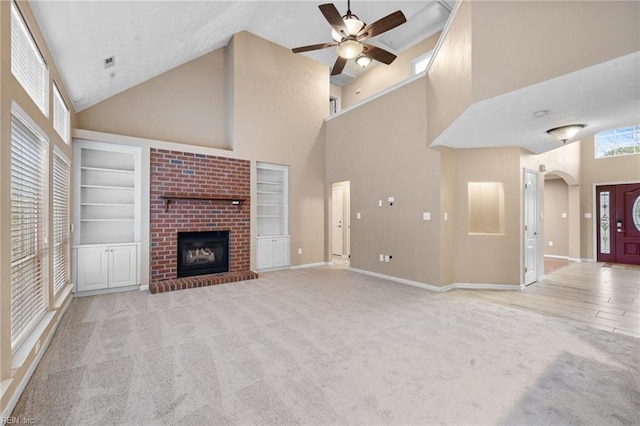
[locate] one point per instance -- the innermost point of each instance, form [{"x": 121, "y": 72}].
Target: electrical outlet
[
  {"x": 564, "y": 215},
  {"x": 426, "y": 216},
  {"x": 379, "y": 203},
  {"x": 299, "y": 251},
  {"x": 550, "y": 243},
  {"x": 358, "y": 215}
]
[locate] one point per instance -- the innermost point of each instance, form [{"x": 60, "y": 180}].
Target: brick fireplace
[{"x": 193, "y": 193}]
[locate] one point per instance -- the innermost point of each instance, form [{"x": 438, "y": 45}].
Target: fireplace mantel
[{"x": 168, "y": 197}]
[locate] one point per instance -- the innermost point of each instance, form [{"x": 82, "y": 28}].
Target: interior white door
[
  {"x": 337, "y": 204},
  {"x": 530, "y": 226},
  {"x": 347, "y": 219}
]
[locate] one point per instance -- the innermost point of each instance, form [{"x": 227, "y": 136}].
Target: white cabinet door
[
  {"x": 265, "y": 253},
  {"x": 280, "y": 252},
  {"x": 93, "y": 268},
  {"x": 122, "y": 266}
]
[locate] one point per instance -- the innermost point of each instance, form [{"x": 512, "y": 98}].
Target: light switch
[
  {"x": 382, "y": 258},
  {"x": 550, "y": 243},
  {"x": 391, "y": 200},
  {"x": 358, "y": 216},
  {"x": 564, "y": 215},
  {"x": 386, "y": 258},
  {"x": 426, "y": 216},
  {"x": 587, "y": 215},
  {"x": 446, "y": 216}
]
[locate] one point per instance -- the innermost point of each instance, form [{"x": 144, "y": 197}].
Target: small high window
[
  {"x": 61, "y": 117},
  {"x": 27, "y": 63},
  {"x": 420, "y": 64},
  {"x": 623, "y": 141}
]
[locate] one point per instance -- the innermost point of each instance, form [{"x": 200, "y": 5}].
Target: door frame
[
  {"x": 594, "y": 214},
  {"x": 525, "y": 171}
]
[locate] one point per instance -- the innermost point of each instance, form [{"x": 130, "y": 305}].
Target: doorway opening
[
  {"x": 341, "y": 223},
  {"x": 530, "y": 227}
]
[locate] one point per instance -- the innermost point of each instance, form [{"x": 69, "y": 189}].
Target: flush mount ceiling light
[
  {"x": 564, "y": 133},
  {"x": 363, "y": 61}
]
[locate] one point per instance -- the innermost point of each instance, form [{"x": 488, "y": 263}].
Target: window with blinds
[
  {"x": 28, "y": 229},
  {"x": 61, "y": 117},
  {"x": 27, "y": 63},
  {"x": 61, "y": 189}
]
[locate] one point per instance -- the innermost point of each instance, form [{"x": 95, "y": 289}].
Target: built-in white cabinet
[
  {"x": 105, "y": 267},
  {"x": 273, "y": 216},
  {"x": 106, "y": 214},
  {"x": 273, "y": 252}
]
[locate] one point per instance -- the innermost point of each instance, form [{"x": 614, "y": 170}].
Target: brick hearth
[{"x": 208, "y": 184}]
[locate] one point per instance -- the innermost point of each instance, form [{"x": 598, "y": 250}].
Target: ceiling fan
[{"x": 348, "y": 34}]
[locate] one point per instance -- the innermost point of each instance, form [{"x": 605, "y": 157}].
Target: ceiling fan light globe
[
  {"x": 353, "y": 24},
  {"x": 349, "y": 49},
  {"x": 363, "y": 61}
]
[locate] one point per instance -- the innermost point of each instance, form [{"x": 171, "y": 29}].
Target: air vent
[{"x": 109, "y": 62}]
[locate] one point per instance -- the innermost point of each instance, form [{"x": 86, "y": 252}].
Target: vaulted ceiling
[{"x": 148, "y": 38}]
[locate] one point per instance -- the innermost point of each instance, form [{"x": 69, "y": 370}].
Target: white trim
[
  {"x": 25, "y": 379},
  {"x": 587, "y": 260},
  {"x": 403, "y": 281},
  {"x": 574, "y": 259},
  {"x": 310, "y": 265},
  {"x": 93, "y": 136},
  {"x": 468, "y": 286},
  {"x": 553, "y": 256},
  {"x": 106, "y": 290},
  {"x": 144, "y": 287},
  {"x": 477, "y": 286},
  {"x": 377, "y": 95}
]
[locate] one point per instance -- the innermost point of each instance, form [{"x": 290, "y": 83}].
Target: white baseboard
[
  {"x": 448, "y": 287},
  {"x": 403, "y": 281},
  {"x": 587, "y": 260},
  {"x": 477, "y": 286},
  {"x": 106, "y": 291},
  {"x": 553, "y": 256},
  {"x": 574, "y": 259},
  {"x": 144, "y": 287},
  {"x": 310, "y": 265},
  {"x": 25, "y": 379}
]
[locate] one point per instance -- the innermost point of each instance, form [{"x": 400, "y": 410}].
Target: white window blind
[
  {"x": 28, "y": 229},
  {"x": 27, "y": 63},
  {"x": 61, "y": 188},
  {"x": 61, "y": 117}
]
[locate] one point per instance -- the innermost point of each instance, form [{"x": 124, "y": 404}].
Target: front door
[
  {"x": 618, "y": 233},
  {"x": 530, "y": 226}
]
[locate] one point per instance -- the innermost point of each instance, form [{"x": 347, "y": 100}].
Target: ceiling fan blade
[
  {"x": 313, "y": 47},
  {"x": 382, "y": 25},
  {"x": 338, "y": 66},
  {"x": 378, "y": 54},
  {"x": 334, "y": 18}
]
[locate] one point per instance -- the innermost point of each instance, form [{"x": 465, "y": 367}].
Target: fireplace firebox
[{"x": 201, "y": 253}]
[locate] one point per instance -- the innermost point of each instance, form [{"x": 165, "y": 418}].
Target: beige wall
[
  {"x": 280, "y": 102},
  {"x": 613, "y": 170},
  {"x": 488, "y": 259},
  {"x": 520, "y": 43},
  {"x": 186, "y": 104},
  {"x": 380, "y": 148},
  {"x": 12, "y": 91},
  {"x": 495, "y": 47},
  {"x": 271, "y": 107},
  {"x": 449, "y": 87},
  {"x": 556, "y": 229},
  {"x": 381, "y": 76}
]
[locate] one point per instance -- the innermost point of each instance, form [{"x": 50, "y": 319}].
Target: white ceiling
[
  {"x": 148, "y": 38},
  {"x": 604, "y": 96}
]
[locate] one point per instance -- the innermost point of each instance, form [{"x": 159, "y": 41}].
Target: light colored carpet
[{"x": 327, "y": 346}]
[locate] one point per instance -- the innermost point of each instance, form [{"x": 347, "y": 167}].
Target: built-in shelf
[{"x": 167, "y": 198}]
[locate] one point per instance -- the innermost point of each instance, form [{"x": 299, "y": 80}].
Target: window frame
[
  {"x": 64, "y": 120},
  {"x": 22, "y": 69},
  {"x": 634, "y": 130},
  {"x": 61, "y": 218},
  {"x": 38, "y": 231}
]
